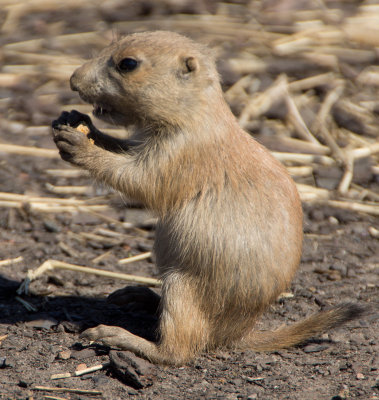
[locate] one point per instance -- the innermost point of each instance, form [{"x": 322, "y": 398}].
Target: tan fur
[{"x": 229, "y": 236}]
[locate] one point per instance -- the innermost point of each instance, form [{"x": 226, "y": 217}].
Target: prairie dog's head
[{"x": 148, "y": 77}]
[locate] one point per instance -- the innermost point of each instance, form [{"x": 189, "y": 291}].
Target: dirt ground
[{"x": 339, "y": 264}]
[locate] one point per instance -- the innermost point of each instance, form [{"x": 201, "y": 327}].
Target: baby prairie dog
[{"x": 229, "y": 235}]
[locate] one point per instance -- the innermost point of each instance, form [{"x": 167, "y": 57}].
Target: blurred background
[{"x": 301, "y": 76}]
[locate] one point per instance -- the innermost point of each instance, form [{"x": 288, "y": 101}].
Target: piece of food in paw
[{"x": 84, "y": 129}]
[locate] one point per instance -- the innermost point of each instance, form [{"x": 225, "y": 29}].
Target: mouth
[
  {"x": 101, "y": 111},
  {"x": 108, "y": 114}
]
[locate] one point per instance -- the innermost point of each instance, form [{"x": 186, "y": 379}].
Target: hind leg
[{"x": 183, "y": 327}]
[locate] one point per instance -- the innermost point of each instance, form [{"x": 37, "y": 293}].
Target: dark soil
[{"x": 339, "y": 265}]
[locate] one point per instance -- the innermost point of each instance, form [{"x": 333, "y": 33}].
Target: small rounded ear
[{"x": 191, "y": 64}]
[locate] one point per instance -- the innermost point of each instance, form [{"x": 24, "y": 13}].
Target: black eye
[{"x": 127, "y": 64}]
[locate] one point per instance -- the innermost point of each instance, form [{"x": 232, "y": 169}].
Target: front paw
[
  {"x": 73, "y": 119},
  {"x": 73, "y": 145}
]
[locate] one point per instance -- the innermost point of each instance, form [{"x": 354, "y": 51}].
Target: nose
[{"x": 83, "y": 77}]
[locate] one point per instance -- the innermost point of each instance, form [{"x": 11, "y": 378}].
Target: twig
[
  {"x": 308, "y": 193},
  {"x": 3, "y": 337},
  {"x": 283, "y": 143},
  {"x": 49, "y": 265},
  {"x": 256, "y": 381},
  {"x": 369, "y": 76},
  {"x": 48, "y": 204},
  {"x": 297, "y": 120},
  {"x": 237, "y": 90},
  {"x": 359, "y": 33},
  {"x": 102, "y": 216},
  {"x": 26, "y": 304},
  {"x": 286, "y": 295},
  {"x": 91, "y": 369},
  {"x": 311, "y": 82},
  {"x": 69, "y": 250},
  {"x": 69, "y": 209},
  {"x": 67, "y": 390},
  {"x": 58, "y": 72},
  {"x": 63, "y": 375},
  {"x": 101, "y": 257},
  {"x": 38, "y": 199},
  {"x": 347, "y": 177},
  {"x": 79, "y": 373},
  {"x": 321, "y": 118},
  {"x": 35, "y": 45},
  {"x": 100, "y": 238},
  {"x": 67, "y": 173},
  {"x": 364, "y": 192},
  {"x": 292, "y": 44},
  {"x": 10, "y": 80},
  {"x": 37, "y": 58},
  {"x": 349, "y": 158},
  {"x": 28, "y": 151},
  {"x": 261, "y": 102},
  {"x": 138, "y": 257},
  {"x": 351, "y": 206},
  {"x": 54, "y": 208},
  {"x": 247, "y": 65},
  {"x": 363, "y": 152},
  {"x": 303, "y": 158},
  {"x": 68, "y": 189},
  {"x": 305, "y": 170},
  {"x": 110, "y": 233},
  {"x": 11, "y": 261}
]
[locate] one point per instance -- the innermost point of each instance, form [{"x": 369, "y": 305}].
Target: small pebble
[
  {"x": 42, "y": 323},
  {"x": 51, "y": 226},
  {"x": 360, "y": 376},
  {"x": 373, "y": 232},
  {"x": 83, "y": 354},
  {"x": 314, "y": 348},
  {"x": 333, "y": 220},
  {"x": 64, "y": 355},
  {"x": 80, "y": 367},
  {"x": 23, "y": 384}
]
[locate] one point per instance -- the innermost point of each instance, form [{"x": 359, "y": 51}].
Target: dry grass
[{"x": 303, "y": 81}]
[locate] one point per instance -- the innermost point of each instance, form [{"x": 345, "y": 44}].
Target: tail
[{"x": 299, "y": 332}]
